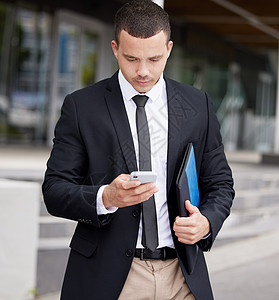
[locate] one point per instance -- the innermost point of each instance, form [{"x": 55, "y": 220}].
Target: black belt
[{"x": 158, "y": 254}]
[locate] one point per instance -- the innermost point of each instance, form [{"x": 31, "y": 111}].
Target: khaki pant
[{"x": 155, "y": 280}]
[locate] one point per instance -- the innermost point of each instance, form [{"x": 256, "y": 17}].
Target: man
[{"x": 97, "y": 144}]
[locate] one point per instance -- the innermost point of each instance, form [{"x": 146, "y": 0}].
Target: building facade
[{"x": 50, "y": 49}]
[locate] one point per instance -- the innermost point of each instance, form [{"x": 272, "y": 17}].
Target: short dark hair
[{"x": 141, "y": 19}]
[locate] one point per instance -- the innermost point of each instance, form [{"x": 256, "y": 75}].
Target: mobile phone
[{"x": 143, "y": 176}]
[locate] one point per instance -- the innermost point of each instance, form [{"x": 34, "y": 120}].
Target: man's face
[{"x": 142, "y": 61}]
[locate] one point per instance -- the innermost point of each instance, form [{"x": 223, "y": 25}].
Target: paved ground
[
  {"x": 246, "y": 269},
  {"x": 244, "y": 262}
]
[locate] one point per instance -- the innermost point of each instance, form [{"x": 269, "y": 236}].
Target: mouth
[{"x": 143, "y": 83}]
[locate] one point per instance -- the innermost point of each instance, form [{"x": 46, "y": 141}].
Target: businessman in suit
[{"x": 97, "y": 146}]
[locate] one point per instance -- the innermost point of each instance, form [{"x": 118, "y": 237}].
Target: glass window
[
  {"x": 77, "y": 62},
  {"x": 26, "y": 58},
  {"x": 5, "y": 32},
  {"x": 77, "y": 59},
  {"x": 68, "y": 59},
  {"x": 89, "y": 58}
]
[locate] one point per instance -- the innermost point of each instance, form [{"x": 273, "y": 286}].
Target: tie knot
[{"x": 140, "y": 100}]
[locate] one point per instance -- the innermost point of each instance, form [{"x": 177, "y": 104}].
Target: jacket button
[
  {"x": 129, "y": 252},
  {"x": 135, "y": 213}
]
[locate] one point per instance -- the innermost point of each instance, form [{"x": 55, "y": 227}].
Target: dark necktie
[{"x": 149, "y": 218}]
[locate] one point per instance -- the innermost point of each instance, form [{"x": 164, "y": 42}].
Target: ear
[
  {"x": 114, "y": 47},
  {"x": 169, "y": 47}
]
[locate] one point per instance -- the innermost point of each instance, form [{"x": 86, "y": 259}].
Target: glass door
[{"x": 81, "y": 57}]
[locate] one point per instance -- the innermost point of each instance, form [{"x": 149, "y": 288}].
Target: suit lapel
[
  {"x": 175, "y": 117},
  {"x": 179, "y": 108},
  {"x": 116, "y": 107}
]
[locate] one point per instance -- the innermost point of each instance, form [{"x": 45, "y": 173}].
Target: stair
[
  {"x": 53, "y": 251},
  {"x": 255, "y": 209}
]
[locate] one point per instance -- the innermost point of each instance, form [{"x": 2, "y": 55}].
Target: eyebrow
[
  {"x": 157, "y": 56},
  {"x": 153, "y": 57},
  {"x": 129, "y": 56}
]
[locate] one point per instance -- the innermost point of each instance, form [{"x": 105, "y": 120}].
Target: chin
[{"x": 143, "y": 90}]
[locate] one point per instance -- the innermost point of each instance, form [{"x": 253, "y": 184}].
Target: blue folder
[
  {"x": 187, "y": 188},
  {"x": 187, "y": 181}
]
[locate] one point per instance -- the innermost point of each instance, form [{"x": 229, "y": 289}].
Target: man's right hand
[{"x": 122, "y": 192}]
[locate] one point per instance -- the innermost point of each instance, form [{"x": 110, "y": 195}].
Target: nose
[{"x": 143, "y": 70}]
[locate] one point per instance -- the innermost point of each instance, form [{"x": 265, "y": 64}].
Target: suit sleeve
[
  {"x": 215, "y": 180},
  {"x": 65, "y": 193}
]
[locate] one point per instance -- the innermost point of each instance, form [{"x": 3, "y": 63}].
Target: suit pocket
[
  {"x": 86, "y": 242},
  {"x": 83, "y": 246}
]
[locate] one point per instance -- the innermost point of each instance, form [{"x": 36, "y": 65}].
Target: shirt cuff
[
  {"x": 206, "y": 236},
  {"x": 101, "y": 210}
]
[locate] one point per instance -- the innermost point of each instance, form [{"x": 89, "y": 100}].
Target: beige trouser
[{"x": 155, "y": 280}]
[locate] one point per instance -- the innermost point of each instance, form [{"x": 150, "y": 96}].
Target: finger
[
  {"x": 141, "y": 196},
  {"x": 187, "y": 235},
  {"x": 184, "y": 225},
  {"x": 124, "y": 177},
  {"x": 126, "y": 183},
  {"x": 145, "y": 188},
  {"x": 191, "y": 208},
  {"x": 181, "y": 221},
  {"x": 130, "y": 184}
]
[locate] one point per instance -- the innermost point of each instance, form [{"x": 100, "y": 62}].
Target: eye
[
  {"x": 131, "y": 58},
  {"x": 155, "y": 59}
]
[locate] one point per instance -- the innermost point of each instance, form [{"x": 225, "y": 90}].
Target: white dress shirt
[{"x": 157, "y": 116}]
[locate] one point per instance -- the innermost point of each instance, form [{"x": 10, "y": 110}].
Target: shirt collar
[{"x": 129, "y": 92}]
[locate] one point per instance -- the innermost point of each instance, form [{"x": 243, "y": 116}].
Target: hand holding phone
[{"x": 121, "y": 191}]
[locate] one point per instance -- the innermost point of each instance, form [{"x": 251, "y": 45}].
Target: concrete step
[
  {"x": 246, "y": 199},
  {"x": 248, "y": 223},
  {"x": 51, "y": 227},
  {"x": 51, "y": 265},
  {"x": 43, "y": 210},
  {"x": 53, "y": 250},
  {"x": 49, "y": 296},
  {"x": 256, "y": 181},
  {"x": 54, "y": 232}
]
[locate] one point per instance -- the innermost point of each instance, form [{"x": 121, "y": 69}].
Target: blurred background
[{"x": 227, "y": 48}]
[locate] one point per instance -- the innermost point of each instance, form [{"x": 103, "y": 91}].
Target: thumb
[{"x": 191, "y": 208}]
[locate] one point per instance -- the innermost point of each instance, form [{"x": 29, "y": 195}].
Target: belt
[{"x": 158, "y": 254}]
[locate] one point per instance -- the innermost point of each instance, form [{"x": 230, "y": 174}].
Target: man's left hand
[{"x": 192, "y": 229}]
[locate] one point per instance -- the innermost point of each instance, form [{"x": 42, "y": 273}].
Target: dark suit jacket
[{"x": 93, "y": 145}]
